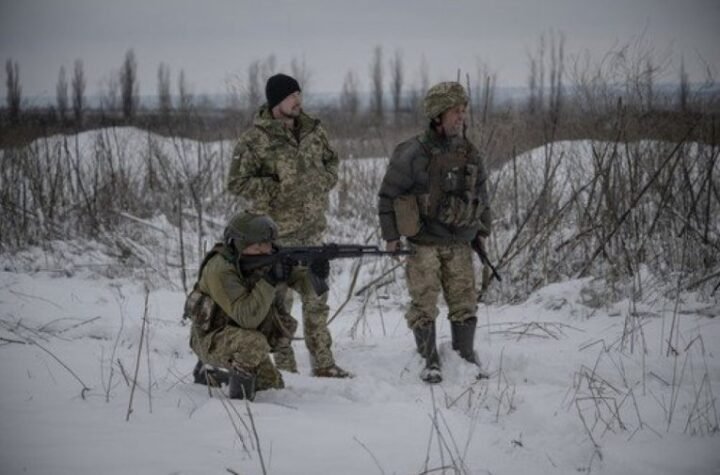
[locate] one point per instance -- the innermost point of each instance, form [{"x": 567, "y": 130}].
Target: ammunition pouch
[
  {"x": 203, "y": 311},
  {"x": 453, "y": 200},
  {"x": 407, "y": 215}
]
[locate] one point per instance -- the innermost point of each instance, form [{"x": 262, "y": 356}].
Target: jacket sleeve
[
  {"x": 247, "y": 179},
  {"x": 398, "y": 180},
  {"x": 330, "y": 163},
  {"x": 247, "y": 308}
]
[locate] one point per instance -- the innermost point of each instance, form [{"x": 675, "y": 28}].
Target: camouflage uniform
[
  {"x": 445, "y": 180},
  {"x": 288, "y": 174},
  {"x": 236, "y": 321}
]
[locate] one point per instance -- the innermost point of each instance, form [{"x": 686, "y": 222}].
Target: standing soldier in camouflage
[
  {"x": 434, "y": 192},
  {"x": 236, "y": 320},
  {"x": 285, "y": 166}
]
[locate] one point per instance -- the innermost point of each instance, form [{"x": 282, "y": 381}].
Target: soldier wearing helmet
[
  {"x": 285, "y": 167},
  {"x": 434, "y": 193},
  {"x": 236, "y": 319}
]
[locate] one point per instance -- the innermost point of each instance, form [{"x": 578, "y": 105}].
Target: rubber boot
[
  {"x": 425, "y": 341},
  {"x": 242, "y": 384},
  {"x": 463, "y": 339}
]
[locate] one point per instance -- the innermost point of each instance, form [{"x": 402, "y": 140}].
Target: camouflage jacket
[
  {"x": 286, "y": 174},
  {"x": 224, "y": 296},
  {"x": 423, "y": 167}
]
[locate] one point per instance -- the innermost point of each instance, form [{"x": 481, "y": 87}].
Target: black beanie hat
[{"x": 278, "y": 87}]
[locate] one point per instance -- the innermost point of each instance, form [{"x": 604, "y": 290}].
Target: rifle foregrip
[{"x": 318, "y": 284}]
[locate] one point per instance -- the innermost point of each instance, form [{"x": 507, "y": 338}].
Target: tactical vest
[{"x": 452, "y": 197}]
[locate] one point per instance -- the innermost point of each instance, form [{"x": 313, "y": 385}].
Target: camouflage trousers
[
  {"x": 440, "y": 267},
  {"x": 315, "y": 312},
  {"x": 232, "y": 346}
]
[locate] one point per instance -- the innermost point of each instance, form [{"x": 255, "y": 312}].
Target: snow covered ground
[
  {"x": 579, "y": 384},
  {"x": 568, "y": 394}
]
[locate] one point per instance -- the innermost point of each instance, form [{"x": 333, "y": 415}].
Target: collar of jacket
[
  {"x": 440, "y": 142},
  {"x": 271, "y": 126}
]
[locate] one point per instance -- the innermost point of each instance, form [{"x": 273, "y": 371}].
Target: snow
[
  {"x": 523, "y": 420},
  {"x": 579, "y": 383}
]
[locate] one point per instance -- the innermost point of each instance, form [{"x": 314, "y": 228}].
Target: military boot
[
  {"x": 463, "y": 339},
  {"x": 333, "y": 371},
  {"x": 285, "y": 357},
  {"x": 242, "y": 384},
  {"x": 425, "y": 341},
  {"x": 209, "y": 375},
  {"x": 267, "y": 376}
]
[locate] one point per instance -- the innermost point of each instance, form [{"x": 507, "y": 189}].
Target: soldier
[
  {"x": 434, "y": 192},
  {"x": 285, "y": 166},
  {"x": 236, "y": 320}
]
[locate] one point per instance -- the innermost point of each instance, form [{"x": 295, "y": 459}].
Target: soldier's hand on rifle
[
  {"x": 392, "y": 246},
  {"x": 279, "y": 271},
  {"x": 321, "y": 268}
]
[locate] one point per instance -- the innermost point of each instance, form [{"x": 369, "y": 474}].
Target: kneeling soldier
[{"x": 237, "y": 321}]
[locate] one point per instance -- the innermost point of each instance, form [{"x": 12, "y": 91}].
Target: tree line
[{"x": 558, "y": 89}]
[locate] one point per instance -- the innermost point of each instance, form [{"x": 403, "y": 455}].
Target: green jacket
[
  {"x": 245, "y": 300},
  {"x": 410, "y": 173},
  {"x": 286, "y": 174}
]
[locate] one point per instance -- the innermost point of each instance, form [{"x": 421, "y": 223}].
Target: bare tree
[
  {"x": 253, "y": 94},
  {"x": 396, "y": 83},
  {"x": 259, "y": 71},
  {"x": 185, "y": 97},
  {"x": 376, "y": 79},
  {"x": 541, "y": 74},
  {"x": 557, "y": 59},
  {"x": 268, "y": 67},
  {"x": 486, "y": 91},
  {"x": 164, "y": 98},
  {"x": 109, "y": 99},
  {"x": 14, "y": 91},
  {"x": 532, "y": 86},
  {"x": 417, "y": 94},
  {"x": 129, "y": 85},
  {"x": 684, "y": 87},
  {"x": 61, "y": 94},
  {"x": 424, "y": 76},
  {"x": 78, "y": 91},
  {"x": 301, "y": 73},
  {"x": 350, "y": 97}
]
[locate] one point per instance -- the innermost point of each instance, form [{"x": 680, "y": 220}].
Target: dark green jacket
[
  {"x": 247, "y": 301},
  {"x": 408, "y": 174}
]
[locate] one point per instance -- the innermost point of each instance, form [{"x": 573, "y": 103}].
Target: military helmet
[
  {"x": 443, "y": 96},
  {"x": 244, "y": 229}
]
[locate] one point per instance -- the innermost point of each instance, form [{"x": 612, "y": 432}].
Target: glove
[
  {"x": 278, "y": 272},
  {"x": 321, "y": 268}
]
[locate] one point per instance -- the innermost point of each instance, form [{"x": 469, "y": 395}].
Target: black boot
[
  {"x": 209, "y": 375},
  {"x": 242, "y": 384},
  {"x": 463, "y": 339},
  {"x": 425, "y": 341}
]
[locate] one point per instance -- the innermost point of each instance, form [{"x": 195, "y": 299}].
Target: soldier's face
[
  {"x": 452, "y": 120},
  {"x": 258, "y": 248},
  {"x": 291, "y": 105}
]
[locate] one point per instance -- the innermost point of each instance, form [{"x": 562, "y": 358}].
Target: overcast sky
[{"x": 215, "y": 40}]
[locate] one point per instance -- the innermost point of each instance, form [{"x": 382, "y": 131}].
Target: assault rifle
[{"x": 306, "y": 255}]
